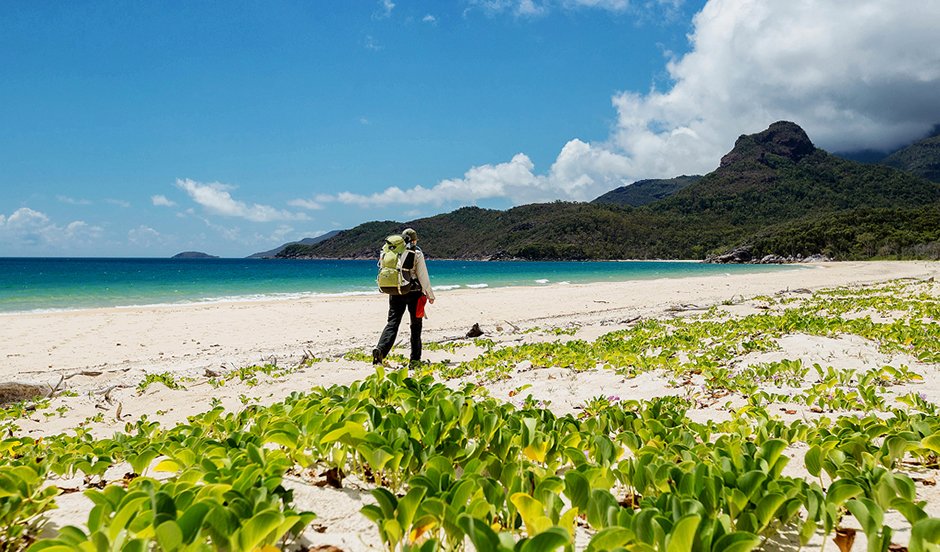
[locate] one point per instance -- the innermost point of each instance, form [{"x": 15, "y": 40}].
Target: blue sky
[{"x": 145, "y": 129}]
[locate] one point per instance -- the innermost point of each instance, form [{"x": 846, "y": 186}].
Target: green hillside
[
  {"x": 644, "y": 192},
  {"x": 921, "y": 158},
  {"x": 775, "y": 191}
]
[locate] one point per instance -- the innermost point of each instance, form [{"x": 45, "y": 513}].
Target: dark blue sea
[{"x": 38, "y": 284}]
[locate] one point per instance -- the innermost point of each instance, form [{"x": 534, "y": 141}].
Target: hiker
[{"x": 416, "y": 272}]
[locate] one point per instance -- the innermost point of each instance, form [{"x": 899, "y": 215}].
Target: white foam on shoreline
[
  {"x": 251, "y": 298},
  {"x": 288, "y": 296}
]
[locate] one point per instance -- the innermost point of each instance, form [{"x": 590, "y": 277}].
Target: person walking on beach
[{"x": 413, "y": 301}]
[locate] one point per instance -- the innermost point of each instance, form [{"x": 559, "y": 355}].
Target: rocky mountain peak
[{"x": 783, "y": 138}]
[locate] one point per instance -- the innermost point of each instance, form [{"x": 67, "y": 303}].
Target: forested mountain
[
  {"x": 775, "y": 192},
  {"x": 921, "y": 158},
  {"x": 644, "y": 192},
  {"x": 306, "y": 241}
]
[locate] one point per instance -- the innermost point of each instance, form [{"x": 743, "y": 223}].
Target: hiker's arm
[{"x": 422, "y": 271}]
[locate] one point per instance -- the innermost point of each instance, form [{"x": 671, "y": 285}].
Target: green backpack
[{"x": 396, "y": 267}]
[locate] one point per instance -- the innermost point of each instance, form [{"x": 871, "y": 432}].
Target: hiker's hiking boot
[{"x": 376, "y": 356}]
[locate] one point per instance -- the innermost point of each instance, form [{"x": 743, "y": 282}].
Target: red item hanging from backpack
[{"x": 419, "y": 310}]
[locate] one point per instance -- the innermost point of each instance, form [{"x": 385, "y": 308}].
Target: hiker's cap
[{"x": 410, "y": 234}]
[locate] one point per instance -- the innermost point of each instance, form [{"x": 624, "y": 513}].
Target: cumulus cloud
[
  {"x": 580, "y": 172},
  {"x": 854, "y": 77},
  {"x": 162, "y": 201},
  {"x": 863, "y": 76},
  {"x": 216, "y": 199},
  {"x": 429, "y": 19},
  {"x": 26, "y": 228}
]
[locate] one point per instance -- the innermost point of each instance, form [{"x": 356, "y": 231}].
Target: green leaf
[
  {"x": 285, "y": 438},
  {"x": 868, "y": 519},
  {"x": 924, "y": 533},
  {"x": 842, "y": 490},
  {"x": 140, "y": 462},
  {"x": 610, "y": 538},
  {"x": 373, "y": 512},
  {"x": 129, "y": 509},
  {"x": 550, "y": 540},
  {"x": 387, "y": 501},
  {"x": 738, "y": 541},
  {"x": 932, "y": 442},
  {"x": 912, "y": 512},
  {"x": 407, "y": 505},
  {"x": 771, "y": 449},
  {"x": 532, "y": 512},
  {"x": 254, "y": 531},
  {"x": 577, "y": 490},
  {"x": 164, "y": 508},
  {"x": 190, "y": 522},
  {"x": 169, "y": 535},
  {"x": 349, "y": 432},
  {"x": 767, "y": 508},
  {"x": 599, "y": 508},
  {"x": 392, "y": 530},
  {"x": 50, "y": 546},
  {"x": 479, "y": 533},
  {"x": 136, "y": 545},
  {"x": 682, "y": 536},
  {"x": 751, "y": 482},
  {"x": 813, "y": 460}
]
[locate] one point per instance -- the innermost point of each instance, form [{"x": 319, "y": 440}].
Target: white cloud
[
  {"x": 227, "y": 232},
  {"x": 27, "y": 229},
  {"x": 429, "y": 19},
  {"x": 580, "y": 172},
  {"x": 144, "y": 236},
  {"x": 535, "y": 8},
  {"x": 854, "y": 76},
  {"x": 370, "y": 43},
  {"x": 72, "y": 200},
  {"x": 305, "y": 204},
  {"x": 118, "y": 202},
  {"x": 162, "y": 201},
  {"x": 216, "y": 199},
  {"x": 859, "y": 76},
  {"x": 385, "y": 9}
]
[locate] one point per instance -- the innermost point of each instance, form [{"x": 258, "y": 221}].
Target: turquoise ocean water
[{"x": 37, "y": 284}]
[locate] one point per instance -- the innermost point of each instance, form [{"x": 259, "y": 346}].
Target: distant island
[{"x": 193, "y": 255}]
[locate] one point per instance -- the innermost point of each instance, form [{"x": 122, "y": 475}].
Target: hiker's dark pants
[{"x": 396, "y": 310}]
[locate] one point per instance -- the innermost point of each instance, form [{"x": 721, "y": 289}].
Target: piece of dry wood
[
  {"x": 90, "y": 373},
  {"x": 54, "y": 390}
]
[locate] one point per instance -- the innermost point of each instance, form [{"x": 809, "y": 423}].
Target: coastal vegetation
[
  {"x": 775, "y": 192},
  {"x": 799, "y": 451}
]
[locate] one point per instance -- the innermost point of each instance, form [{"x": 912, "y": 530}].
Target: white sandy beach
[
  {"x": 103, "y": 354},
  {"x": 194, "y": 337}
]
